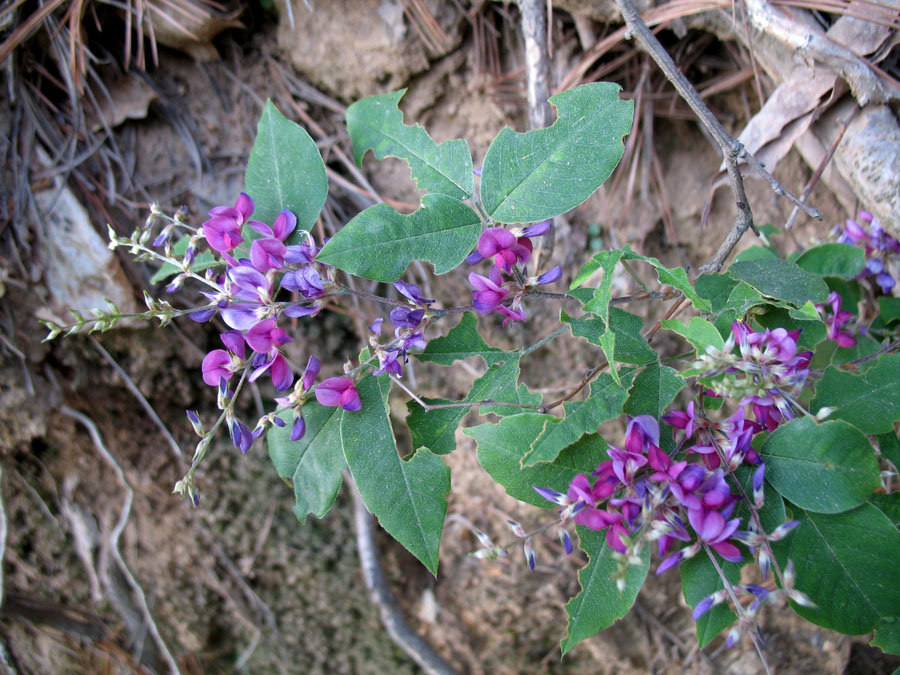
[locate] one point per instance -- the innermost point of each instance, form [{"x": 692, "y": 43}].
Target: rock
[{"x": 387, "y": 47}]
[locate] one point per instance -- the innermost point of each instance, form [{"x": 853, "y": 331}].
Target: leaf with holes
[
  {"x": 543, "y": 173},
  {"x": 376, "y": 124},
  {"x": 380, "y": 242}
]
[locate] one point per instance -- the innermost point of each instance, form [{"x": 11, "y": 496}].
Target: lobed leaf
[
  {"x": 699, "y": 332},
  {"x": 500, "y": 452},
  {"x": 380, "y": 243},
  {"x": 285, "y": 171},
  {"x": 408, "y": 496},
  {"x": 604, "y": 403},
  {"x": 653, "y": 390},
  {"x": 461, "y": 342},
  {"x": 543, "y": 173},
  {"x": 436, "y": 430},
  {"x": 376, "y": 124}
]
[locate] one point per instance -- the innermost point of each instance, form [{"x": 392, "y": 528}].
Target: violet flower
[
  {"x": 265, "y": 336},
  {"x": 339, "y": 391},
  {"x": 837, "y": 319},
  {"x": 412, "y": 293},
  {"x": 487, "y": 293},
  {"x": 223, "y": 229}
]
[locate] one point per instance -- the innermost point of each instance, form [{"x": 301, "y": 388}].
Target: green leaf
[
  {"x": 833, "y": 260},
  {"x": 781, "y": 280},
  {"x": 408, "y": 496},
  {"x": 889, "y": 505},
  {"x": 889, "y": 445},
  {"x": 599, "y": 304},
  {"x": 500, "y": 452},
  {"x": 604, "y": 403},
  {"x": 376, "y": 124},
  {"x": 716, "y": 288},
  {"x": 825, "y": 468},
  {"x": 380, "y": 243},
  {"x": 314, "y": 463},
  {"x": 461, "y": 342},
  {"x": 755, "y": 253},
  {"x": 202, "y": 262},
  {"x": 540, "y": 174},
  {"x": 887, "y": 635},
  {"x": 812, "y": 329},
  {"x": 889, "y": 308},
  {"x": 847, "y": 564},
  {"x": 772, "y": 514},
  {"x": 869, "y": 401},
  {"x": 699, "y": 332},
  {"x": 285, "y": 171},
  {"x": 600, "y": 604},
  {"x": 699, "y": 579},
  {"x": 676, "y": 277},
  {"x": 653, "y": 390},
  {"x": 630, "y": 346},
  {"x": 436, "y": 430}
]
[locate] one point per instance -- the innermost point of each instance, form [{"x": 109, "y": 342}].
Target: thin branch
[{"x": 732, "y": 150}]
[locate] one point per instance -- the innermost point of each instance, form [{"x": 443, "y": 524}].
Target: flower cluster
[
  {"x": 687, "y": 501},
  {"x": 409, "y": 322},
  {"x": 508, "y": 249},
  {"x": 882, "y": 250},
  {"x": 245, "y": 294}
]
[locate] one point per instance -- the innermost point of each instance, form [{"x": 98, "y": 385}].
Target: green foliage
[
  {"x": 699, "y": 332},
  {"x": 699, "y": 578},
  {"x": 408, "y": 496},
  {"x": 285, "y": 171},
  {"x": 314, "y": 463},
  {"x": 436, "y": 430},
  {"x": 833, "y": 260},
  {"x": 461, "y": 342},
  {"x": 629, "y": 346},
  {"x": 781, "y": 280},
  {"x": 501, "y": 450},
  {"x": 653, "y": 390},
  {"x": 869, "y": 401},
  {"x": 846, "y": 563},
  {"x": 600, "y": 603},
  {"x": 824, "y": 468},
  {"x": 543, "y": 173},
  {"x": 376, "y": 124},
  {"x": 604, "y": 403},
  {"x": 380, "y": 243}
]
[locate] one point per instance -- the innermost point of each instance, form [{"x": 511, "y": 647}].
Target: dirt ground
[{"x": 104, "y": 569}]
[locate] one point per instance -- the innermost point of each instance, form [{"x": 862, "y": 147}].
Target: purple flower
[
  {"x": 265, "y": 336},
  {"x": 712, "y": 527},
  {"x": 512, "y": 314},
  {"x": 277, "y": 366},
  {"x": 538, "y": 229},
  {"x": 412, "y": 293},
  {"x": 310, "y": 373},
  {"x": 298, "y": 430},
  {"x": 267, "y": 254},
  {"x": 549, "y": 277},
  {"x": 488, "y": 293},
  {"x": 306, "y": 281},
  {"x": 223, "y": 229},
  {"x": 404, "y": 317},
  {"x": 284, "y": 224},
  {"x": 241, "y": 436},
  {"x": 838, "y": 318},
  {"x": 503, "y": 246},
  {"x": 387, "y": 363},
  {"x": 339, "y": 391}
]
